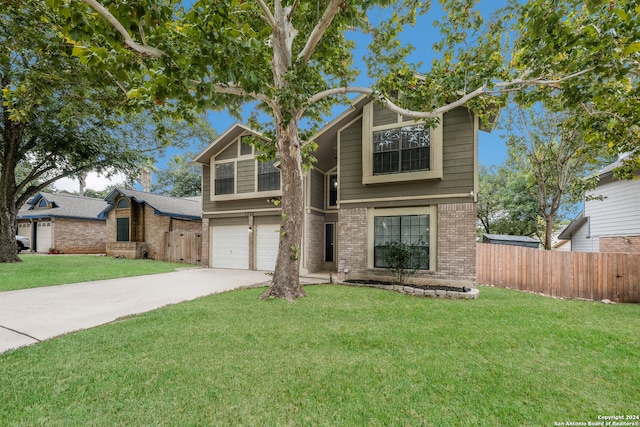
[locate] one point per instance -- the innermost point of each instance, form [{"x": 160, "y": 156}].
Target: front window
[
  {"x": 122, "y": 234},
  {"x": 412, "y": 230},
  {"x": 402, "y": 149},
  {"x": 225, "y": 173},
  {"x": 268, "y": 176}
]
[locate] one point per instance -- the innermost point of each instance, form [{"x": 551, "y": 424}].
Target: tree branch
[
  {"x": 541, "y": 82},
  {"x": 268, "y": 15},
  {"x": 392, "y": 106},
  {"x": 129, "y": 43},
  {"x": 320, "y": 28}
]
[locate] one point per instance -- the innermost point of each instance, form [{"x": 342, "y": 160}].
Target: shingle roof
[
  {"x": 508, "y": 238},
  {"x": 64, "y": 206},
  {"x": 163, "y": 205},
  {"x": 566, "y": 232}
]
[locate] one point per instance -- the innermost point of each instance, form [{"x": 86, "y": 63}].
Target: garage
[
  {"x": 230, "y": 247},
  {"x": 267, "y": 239},
  {"x": 43, "y": 236}
]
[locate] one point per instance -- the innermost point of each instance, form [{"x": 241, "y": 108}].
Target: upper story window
[
  {"x": 225, "y": 178},
  {"x": 401, "y": 149},
  {"x": 245, "y": 148},
  {"x": 43, "y": 203},
  {"x": 396, "y": 149},
  {"x": 123, "y": 204},
  {"x": 268, "y": 176},
  {"x": 333, "y": 190}
]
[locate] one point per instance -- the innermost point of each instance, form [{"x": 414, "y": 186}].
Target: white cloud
[{"x": 94, "y": 182}]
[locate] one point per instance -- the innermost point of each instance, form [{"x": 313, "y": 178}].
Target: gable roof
[
  {"x": 63, "y": 206},
  {"x": 572, "y": 227},
  {"x": 236, "y": 130},
  {"x": 188, "y": 208}
]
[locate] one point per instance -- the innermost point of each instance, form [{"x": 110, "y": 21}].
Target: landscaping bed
[{"x": 433, "y": 291}]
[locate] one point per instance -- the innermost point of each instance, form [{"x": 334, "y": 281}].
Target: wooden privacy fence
[
  {"x": 183, "y": 246},
  {"x": 587, "y": 275}
]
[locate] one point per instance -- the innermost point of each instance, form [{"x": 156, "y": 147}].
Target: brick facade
[
  {"x": 621, "y": 244},
  {"x": 314, "y": 242},
  {"x": 206, "y": 242},
  {"x": 69, "y": 236},
  {"x": 352, "y": 238},
  {"x": 456, "y": 244},
  {"x": 74, "y": 236}
]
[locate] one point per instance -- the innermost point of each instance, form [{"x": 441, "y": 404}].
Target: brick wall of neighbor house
[
  {"x": 154, "y": 228},
  {"x": 156, "y": 225},
  {"x": 456, "y": 242},
  {"x": 75, "y": 236},
  {"x": 314, "y": 242},
  {"x": 352, "y": 238},
  {"x": 624, "y": 244}
]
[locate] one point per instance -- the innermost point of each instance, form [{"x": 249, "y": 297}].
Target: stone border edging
[{"x": 419, "y": 292}]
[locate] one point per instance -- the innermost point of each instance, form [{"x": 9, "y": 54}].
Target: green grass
[
  {"x": 343, "y": 356},
  {"x": 47, "y": 270}
]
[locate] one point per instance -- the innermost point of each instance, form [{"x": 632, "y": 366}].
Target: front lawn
[
  {"x": 343, "y": 356},
  {"x": 47, "y": 270}
]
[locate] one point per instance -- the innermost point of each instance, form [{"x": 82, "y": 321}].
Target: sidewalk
[{"x": 33, "y": 315}]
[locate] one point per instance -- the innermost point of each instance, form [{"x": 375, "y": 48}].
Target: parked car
[{"x": 23, "y": 243}]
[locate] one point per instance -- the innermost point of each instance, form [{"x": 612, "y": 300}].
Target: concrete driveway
[{"x": 32, "y": 315}]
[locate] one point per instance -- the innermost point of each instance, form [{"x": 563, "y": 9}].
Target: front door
[{"x": 329, "y": 237}]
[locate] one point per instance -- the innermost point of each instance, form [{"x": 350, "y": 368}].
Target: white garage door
[
  {"x": 43, "y": 236},
  {"x": 230, "y": 247},
  {"x": 267, "y": 238}
]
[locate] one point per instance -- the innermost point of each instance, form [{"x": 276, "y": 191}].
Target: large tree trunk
[
  {"x": 286, "y": 278},
  {"x": 8, "y": 221},
  {"x": 548, "y": 230}
]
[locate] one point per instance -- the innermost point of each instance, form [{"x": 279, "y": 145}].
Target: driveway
[{"x": 33, "y": 315}]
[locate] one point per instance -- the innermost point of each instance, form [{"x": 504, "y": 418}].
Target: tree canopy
[
  {"x": 294, "y": 60},
  {"x": 58, "y": 116}
]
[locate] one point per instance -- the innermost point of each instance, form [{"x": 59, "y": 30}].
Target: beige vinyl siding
[
  {"x": 244, "y": 205},
  {"x": 267, "y": 219},
  {"x": 206, "y": 186},
  {"x": 317, "y": 189},
  {"x": 458, "y": 164},
  {"x": 383, "y": 116},
  {"x": 331, "y": 217},
  {"x": 246, "y": 176},
  {"x": 231, "y": 152},
  {"x": 217, "y": 222}
]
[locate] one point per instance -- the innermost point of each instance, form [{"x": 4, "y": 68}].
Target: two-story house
[
  {"x": 610, "y": 221},
  {"x": 379, "y": 177}
]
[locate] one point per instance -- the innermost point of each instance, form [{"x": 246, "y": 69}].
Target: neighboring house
[
  {"x": 505, "y": 239},
  {"x": 610, "y": 221},
  {"x": 562, "y": 246},
  {"x": 137, "y": 221},
  {"x": 379, "y": 177},
  {"x": 63, "y": 222}
]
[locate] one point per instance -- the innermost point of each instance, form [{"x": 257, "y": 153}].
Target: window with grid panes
[
  {"x": 412, "y": 230},
  {"x": 225, "y": 174},
  {"x": 122, "y": 229},
  {"x": 402, "y": 149},
  {"x": 268, "y": 176}
]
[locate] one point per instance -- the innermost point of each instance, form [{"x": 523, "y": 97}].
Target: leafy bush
[{"x": 402, "y": 259}]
